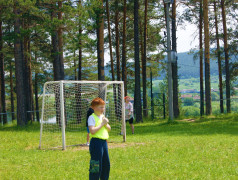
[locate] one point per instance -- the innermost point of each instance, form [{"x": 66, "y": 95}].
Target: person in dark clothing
[{"x": 89, "y": 113}]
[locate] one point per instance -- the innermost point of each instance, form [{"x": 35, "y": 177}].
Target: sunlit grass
[{"x": 203, "y": 149}]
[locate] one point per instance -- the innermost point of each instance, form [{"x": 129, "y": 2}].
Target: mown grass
[{"x": 204, "y": 149}]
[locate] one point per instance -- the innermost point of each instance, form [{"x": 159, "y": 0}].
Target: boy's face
[{"x": 99, "y": 109}]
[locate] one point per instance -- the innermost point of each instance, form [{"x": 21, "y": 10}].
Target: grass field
[
  {"x": 192, "y": 83},
  {"x": 201, "y": 149}
]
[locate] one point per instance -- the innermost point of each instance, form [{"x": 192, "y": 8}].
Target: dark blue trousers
[{"x": 99, "y": 163}]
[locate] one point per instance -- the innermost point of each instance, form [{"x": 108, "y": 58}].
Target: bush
[
  {"x": 188, "y": 101},
  {"x": 197, "y": 105},
  {"x": 216, "y": 110},
  {"x": 234, "y": 107},
  {"x": 215, "y": 96},
  {"x": 190, "y": 111}
]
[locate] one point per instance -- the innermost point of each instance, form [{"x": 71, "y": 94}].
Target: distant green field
[
  {"x": 188, "y": 149},
  {"x": 192, "y": 83},
  {"x": 194, "y": 109}
]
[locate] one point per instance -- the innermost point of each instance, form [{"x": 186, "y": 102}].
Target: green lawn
[
  {"x": 204, "y": 149},
  {"x": 192, "y": 83}
]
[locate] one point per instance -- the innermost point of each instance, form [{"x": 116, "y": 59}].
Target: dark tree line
[{"x": 57, "y": 40}]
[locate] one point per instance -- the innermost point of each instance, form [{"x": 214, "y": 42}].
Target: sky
[{"x": 186, "y": 39}]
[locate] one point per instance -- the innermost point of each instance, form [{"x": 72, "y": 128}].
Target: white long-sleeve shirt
[{"x": 128, "y": 109}]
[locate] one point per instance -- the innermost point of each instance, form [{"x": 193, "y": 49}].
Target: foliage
[
  {"x": 38, "y": 24},
  {"x": 190, "y": 111},
  {"x": 188, "y": 101},
  {"x": 215, "y": 96}
]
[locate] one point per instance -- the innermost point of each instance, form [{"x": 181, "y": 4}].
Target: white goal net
[{"x": 64, "y": 111}]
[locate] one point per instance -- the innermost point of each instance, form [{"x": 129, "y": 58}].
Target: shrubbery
[
  {"x": 188, "y": 101},
  {"x": 190, "y": 111},
  {"x": 215, "y": 96}
]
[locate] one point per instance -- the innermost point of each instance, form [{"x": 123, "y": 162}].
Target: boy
[
  {"x": 99, "y": 128},
  {"x": 89, "y": 113}
]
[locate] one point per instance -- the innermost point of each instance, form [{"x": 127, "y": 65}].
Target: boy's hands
[{"x": 105, "y": 121}]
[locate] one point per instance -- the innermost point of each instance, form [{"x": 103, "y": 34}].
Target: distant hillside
[{"x": 189, "y": 68}]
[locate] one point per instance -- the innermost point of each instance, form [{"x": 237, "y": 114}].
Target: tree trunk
[
  {"x": 175, "y": 64},
  {"x": 219, "y": 59},
  {"x": 1, "y": 68},
  {"x": 142, "y": 63},
  {"x": 30, "y": 83},
  {"x": 100, "y": 42},
  {"x": 165, "y": 15},
  {"x": 19, "y": 65},
  {"x": 111, "y": 58},
  {"x": 141, "y": 46},
  {"x": 61, "y": 52},
  {"x": 117, "y": 41},
  {"x": 110, "y": 40},
  {"x": 56, "y": 63},
  {"x": 201, "y": 58},
  {"x": 78, "y": 86},
  {"x": 57, "y": 45},
  {"x": 60, "y": 36},
  {"x": 228, "y": 93},
  {"x": 145, "y": 111},
  {"x": 26, "y": 72},
  {"x": 80, "y": 48},
  {"x": 124, "y": 69},
  {"x": 137, "y": 96},
  {"x": 0, "y": 106},
  {"x": 207, "y": 59},
  {"x": 12, "y": 95},
  {"x": 36, "y": 94},
  {"x": 55, "y": 53},
  {"x": 80, "y": 56},
  {"x": 75, "y": 67},
  {"x": 2, "y": 78}
]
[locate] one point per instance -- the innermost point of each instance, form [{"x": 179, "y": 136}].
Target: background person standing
[{"x": 129, "y": 112}]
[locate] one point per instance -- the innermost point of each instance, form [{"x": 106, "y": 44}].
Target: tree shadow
[
  {"x": 205, "y": 126},
  {"x": 34, "y": 127},
  {"x": 225, "y": 124}
]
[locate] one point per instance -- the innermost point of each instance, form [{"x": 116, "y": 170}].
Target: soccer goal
[{"x": 64, "y": 111}]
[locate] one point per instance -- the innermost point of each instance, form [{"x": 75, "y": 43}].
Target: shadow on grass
[
  {"x": 223, "y": 124},
  {"x": 226, "y": 124},
  {"x": 34, "y": 127}
]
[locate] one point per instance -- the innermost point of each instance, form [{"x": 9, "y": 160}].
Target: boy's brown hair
[{"x": 97, "y": 101}]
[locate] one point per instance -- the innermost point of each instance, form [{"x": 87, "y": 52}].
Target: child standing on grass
[
  {"x": 89, "y": 113},
  {"x": 99, "y": 128},
  {"x": 129, "y": 112}
]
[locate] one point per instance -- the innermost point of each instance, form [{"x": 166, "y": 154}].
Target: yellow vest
[{"x": 102, "y": 133}]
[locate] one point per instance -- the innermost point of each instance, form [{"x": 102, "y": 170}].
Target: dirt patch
[
  {"x": 188, "y": 120},
  {"x": 83, "y": 147},
  {"x": 111, "y": 145}
]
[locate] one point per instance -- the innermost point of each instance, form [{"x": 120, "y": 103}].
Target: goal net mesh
[{"x": 65, "y": 105}]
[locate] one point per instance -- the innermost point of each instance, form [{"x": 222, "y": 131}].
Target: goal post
[
  {"x": 62, "y": 114},
  {"x": 64, "y": 111}
]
